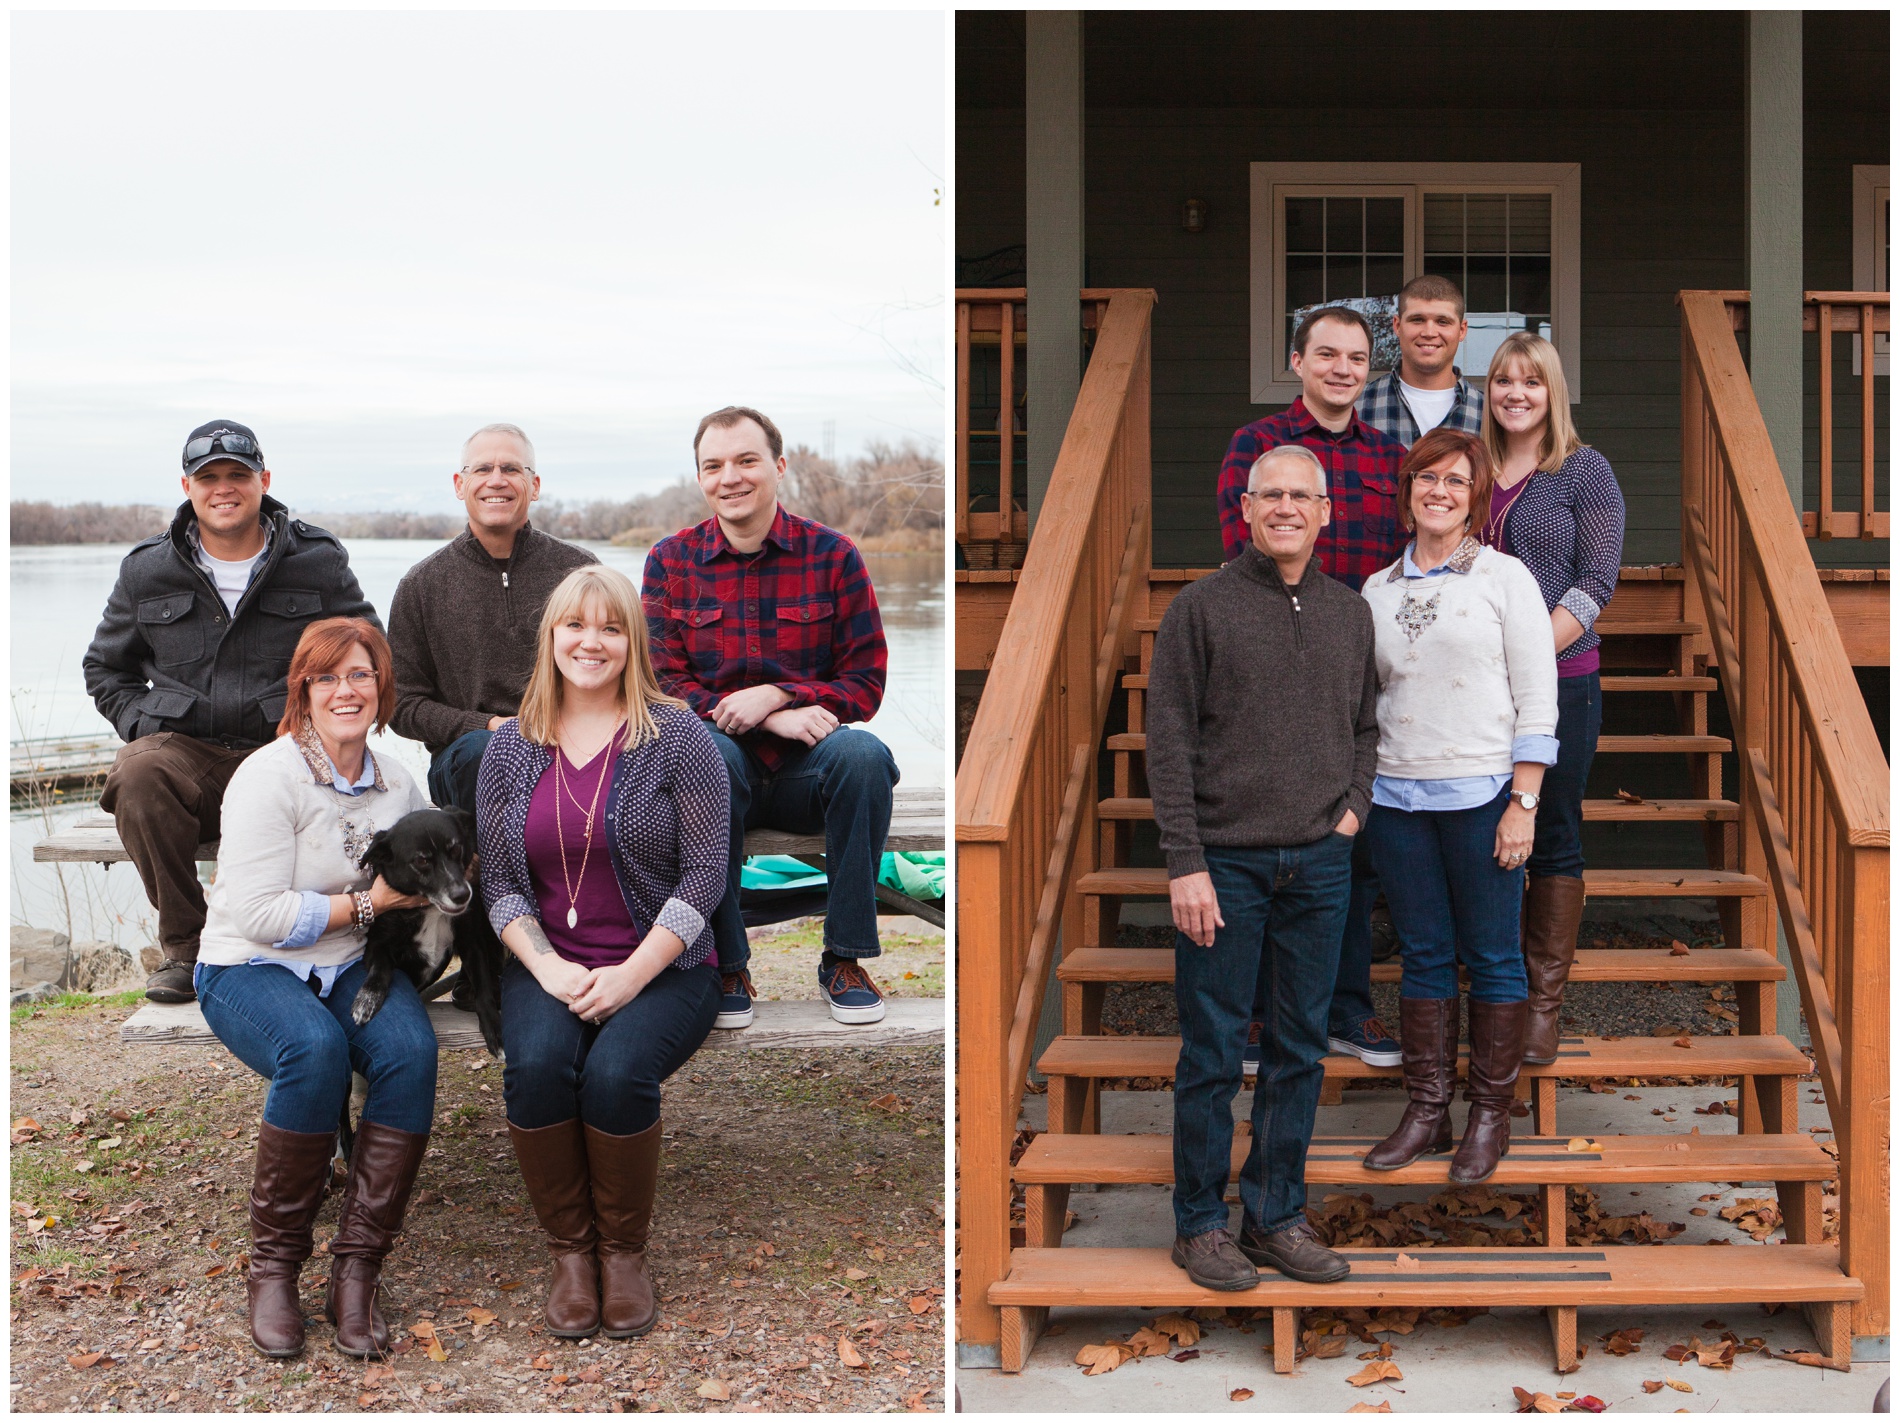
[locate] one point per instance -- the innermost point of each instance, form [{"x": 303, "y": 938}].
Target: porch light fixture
[{"x": 1193, "y": 215}]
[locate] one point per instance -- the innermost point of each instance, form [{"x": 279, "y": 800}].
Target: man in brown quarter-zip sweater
[
  {"x": 1262, "y": 740},
  {"x": 463, "y": 622}
]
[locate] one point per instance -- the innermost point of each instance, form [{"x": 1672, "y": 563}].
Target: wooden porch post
[
  {"x": 1774, "y": 232},
  {"x": 1053, "y": 181},
  {"x": 983, "y": 1138}
]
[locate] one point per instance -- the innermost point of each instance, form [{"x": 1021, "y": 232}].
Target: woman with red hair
[{"x": 278, "y": 968}]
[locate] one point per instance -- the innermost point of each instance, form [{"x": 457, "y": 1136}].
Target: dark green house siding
[{"x": 1649, "y": 105}]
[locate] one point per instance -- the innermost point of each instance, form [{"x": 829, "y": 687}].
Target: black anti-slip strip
[
  {"x": 1427, "y": 1253},
  {"x": 1526, "y": 1278}
]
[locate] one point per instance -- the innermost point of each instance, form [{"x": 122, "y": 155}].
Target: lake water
[{"x": 59, "y": 592}]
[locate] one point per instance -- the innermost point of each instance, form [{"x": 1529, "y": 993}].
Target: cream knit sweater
[
  {"x": 281, "y": 835},
  {"x": 1467, "y": 663}
]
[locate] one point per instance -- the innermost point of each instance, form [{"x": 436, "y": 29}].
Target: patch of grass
[{"x": 68, "y": 1002}]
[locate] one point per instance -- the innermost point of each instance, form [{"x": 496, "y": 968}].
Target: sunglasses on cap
[{"x": 224, "y": 442}]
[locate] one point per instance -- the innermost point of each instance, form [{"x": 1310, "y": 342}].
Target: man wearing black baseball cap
[{"x": 189, "y": 664}]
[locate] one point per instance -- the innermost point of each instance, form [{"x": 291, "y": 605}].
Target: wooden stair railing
[
  {"x": 1814, "y": 784},
  {"x": 1026, "y": 792}
]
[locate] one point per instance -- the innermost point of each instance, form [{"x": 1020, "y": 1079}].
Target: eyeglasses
[
  {"x": 224, "y": 442},
  {"x": 359, "y": 679},
  {"x": 1300, "y": 497},
  {"x": 1454, "y": 483},
  {"x": 508, "y": 471}
]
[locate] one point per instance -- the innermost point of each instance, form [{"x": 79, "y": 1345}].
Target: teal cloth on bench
[{"x": 917, "y": 873}]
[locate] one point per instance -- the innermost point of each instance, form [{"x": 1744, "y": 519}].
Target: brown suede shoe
[
  {"x": 1553, "y": 909},
  {"x": 287, "y": 1185},
  {"x": 383, "y": 1166},
  {"x": 1497, "y": 1050},
  {"x": 625, "y": 1171},
  {"x": 1294, "y": 1250},
  {"x": 1213, "y": 1261},
  {"x": 1428, "y": 1033},
  {"x": 555, "y": 1169}
]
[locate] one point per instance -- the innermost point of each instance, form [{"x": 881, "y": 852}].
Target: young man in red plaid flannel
[
  {"x": 1332, "y": 352},
  {"x": 765, "y": 624}
]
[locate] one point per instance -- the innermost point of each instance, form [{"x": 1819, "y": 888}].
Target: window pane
[
  {"x": 1305, "y": 281},
  {"x": 1345, "y": 276},
  {"x": 1345, "y": 224},
  {"x": 1385, "y": 225},
  {"x": 1384, "y": 275},
  {"x": 1442, "y": 264},
  {"x": 1305, "y": 231},
  {"x": 1485, "y": 222},
  {"x": 1444, "y": 223},
  {"x": 1530, "y": 284},
  {"x": 1530, "y": 222},
  {"x": 1485, "y": 288}
]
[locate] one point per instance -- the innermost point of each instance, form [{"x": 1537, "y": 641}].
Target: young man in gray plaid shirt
[{"x": 1427, "y": 390}]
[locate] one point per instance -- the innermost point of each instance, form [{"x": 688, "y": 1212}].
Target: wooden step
[
  {"x": 1138, "y": 682},
  {"x": 1054, "y": 1158},
  {"x": 1606, "y": 745},
  {"x": 1597, "y": 884},
  {"x": 1142, "y": 808},
  {"x": 1762, "y": 1055},
  {"x": 1156, "y": 965},
  {"x": 1646, "y": 627}
]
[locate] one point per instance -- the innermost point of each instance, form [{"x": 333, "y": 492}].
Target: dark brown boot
[
  {"x": 1497, "y": 1050},
  {"x": 1428, "y": 1035},
  {"x": 554, "y": 1167},
  {"x": 286, "y": 1189},
  {"x": 625, "y": 1171},
  {"x": 383, "y": 1166},
  {"x": 1553, "y": 910}
]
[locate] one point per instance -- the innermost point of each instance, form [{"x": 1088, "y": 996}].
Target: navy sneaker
[
  {"x": 735, "y": 999},
  {"x": 1250, "y": 1055},
  {"x": 1370, "y": 1043},
  {"x": 850, "y": 992}
]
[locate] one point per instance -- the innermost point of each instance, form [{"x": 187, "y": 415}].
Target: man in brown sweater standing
[
  {"x": 463, "y": 623},
  {"x": 1262, "y": 739}
]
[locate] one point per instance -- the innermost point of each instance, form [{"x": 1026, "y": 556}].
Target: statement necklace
[{"x": 561, "y": 792}]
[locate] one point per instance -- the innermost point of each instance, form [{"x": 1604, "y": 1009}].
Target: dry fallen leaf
[
  {"x": 1240, "y": 1395},
  {"x": 1383, "y": 1406},
  {"x": 377, "y": 1373},
  {"x": 1678, "y": 949},
  {"x": 1803, "y": 1356},
  {"x": 480, "y": 1317},
  {"x": 1406, "y": 1263},
  {"x": 1182, "y": 1329},
  {"x": 1679, "y": 1386},
  {"x": 1582, "y": 1143},
  {"x": 1629, "y": 797},
  {"x": 1147, "y": 1342},
  {"x": 848, "y": 1354},
  {"x": 1375, "y": 1371},
  {"x": 920, "y": 1304},
  {"x": 1528, "y": 1402},
  {"x": 854, "y": 1273},
  {"x": 1102, "y": 1358},
  {"x": 1683, "y": 1042},
  {"x": 84, "y": 1361},
  {"x": 716, "y": 1389}
]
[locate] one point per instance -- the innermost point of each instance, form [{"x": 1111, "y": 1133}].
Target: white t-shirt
[
  {"x": 1429, "y": 407},
  {"x": 230, "y": 579}
]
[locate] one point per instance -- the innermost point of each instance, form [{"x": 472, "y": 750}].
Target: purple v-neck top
[{"x": 603, "y": 934}]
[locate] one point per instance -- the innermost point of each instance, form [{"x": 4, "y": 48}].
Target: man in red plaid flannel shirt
[
  {"x": 765, "y": 624},
  {"x": 1332, "y": 351}
]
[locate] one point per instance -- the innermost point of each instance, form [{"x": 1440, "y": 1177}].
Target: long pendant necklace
[{"x": 561, "y": 792}]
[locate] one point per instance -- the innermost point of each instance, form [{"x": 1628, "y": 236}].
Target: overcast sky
[{"x": 366, "y": 234}]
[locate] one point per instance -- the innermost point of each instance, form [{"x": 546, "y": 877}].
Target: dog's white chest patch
[{"x": 435, "y": 939}]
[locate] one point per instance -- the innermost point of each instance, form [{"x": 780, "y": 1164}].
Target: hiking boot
[
  {"x": 850, "y": 992},
  {"x": 735, "y": 998},
  {"x": 1250, "y": 1054},
  {"x": 1370, "y": 1043},
  {"x": 1213, "y": 1261},
  {"x": 1294, "y": 1250},
  {"x": 172, "y": 983}
]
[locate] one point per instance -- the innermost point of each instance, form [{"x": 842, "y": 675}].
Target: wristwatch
[{"x": 1525, "y": 799}]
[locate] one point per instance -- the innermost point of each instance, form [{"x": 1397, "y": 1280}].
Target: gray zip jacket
[{"x": 1262, "y": 711}]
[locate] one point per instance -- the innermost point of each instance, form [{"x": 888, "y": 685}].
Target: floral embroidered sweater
[{"x": 1466, "y": 666}]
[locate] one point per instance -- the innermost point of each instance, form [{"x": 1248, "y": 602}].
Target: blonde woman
[
  {"x": 602, "y": 815},
  {"x": 1557, "y": 510}
]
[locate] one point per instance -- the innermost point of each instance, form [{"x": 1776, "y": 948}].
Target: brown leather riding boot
[
  {"x": 1428, "y": 1036},
  {"x": 1553, "y": 910},
  {"x": 625, "y": 1170},
  {"x": 383, "y": 1166},
  {"x": 555, "y": 1170},
  {"x": 1497, "y": 1050},
  {"x": 286, "y": 1190}
]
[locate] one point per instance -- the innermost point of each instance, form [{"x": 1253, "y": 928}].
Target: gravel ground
[{"x": 798, "y": 1242}]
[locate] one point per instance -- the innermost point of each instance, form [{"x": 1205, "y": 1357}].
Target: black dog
[{"x": 431, "y": 852}]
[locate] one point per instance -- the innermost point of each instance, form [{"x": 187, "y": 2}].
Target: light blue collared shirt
[
  {"x": 315, "y": 914},
  {"x": 1459, "y": 792}
]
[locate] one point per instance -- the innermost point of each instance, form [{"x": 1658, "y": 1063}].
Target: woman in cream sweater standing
[
  {"x": 279, "y": 964},
  {"x": 1467, "y": 720}
]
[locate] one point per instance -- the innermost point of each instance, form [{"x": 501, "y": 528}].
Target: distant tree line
[{"x": 890, "y": 497}]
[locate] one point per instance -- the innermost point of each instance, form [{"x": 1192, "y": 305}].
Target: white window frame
[
  {"x": 1871, "y": 192},
  {"x": 1270, "y": 184}
]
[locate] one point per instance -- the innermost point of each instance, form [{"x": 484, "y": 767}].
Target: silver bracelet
[{"x": 365, "y": 908}]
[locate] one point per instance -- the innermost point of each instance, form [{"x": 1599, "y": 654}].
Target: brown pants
[{"x": 166, "y": 793}]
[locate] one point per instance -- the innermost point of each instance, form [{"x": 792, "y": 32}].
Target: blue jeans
[
  {"x": 1450, "y": 900},
  {"x": 1283, "y": 909},
  {"x": 1558, "y": 846},
  {"x": 307, "y": 1046},
  {"x": 454, "y": 770},
  {"x": 1352, "y": 988},
  {"x": 842, "y": 786},
  {"x": 607, "y": 1074}
]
